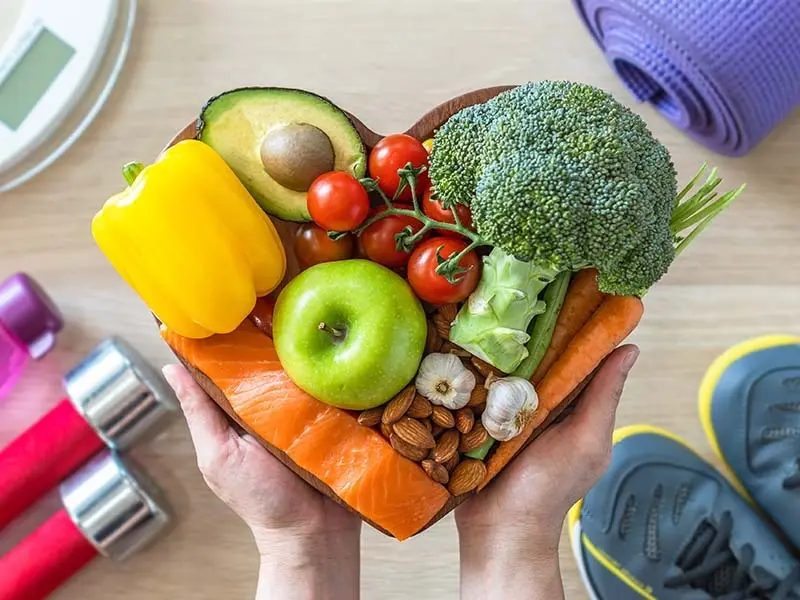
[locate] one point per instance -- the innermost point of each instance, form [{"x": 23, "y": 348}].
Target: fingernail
[{"x": 630, "y": 360}]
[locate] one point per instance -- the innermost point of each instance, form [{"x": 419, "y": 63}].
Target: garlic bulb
[
  {"x": 510, "y": 405},
  {"x": 443, "y": 379}
]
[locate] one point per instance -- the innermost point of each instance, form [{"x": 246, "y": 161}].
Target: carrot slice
[
  {"x": 614, "y": 321},
  {"x": 582, "y": 300}
]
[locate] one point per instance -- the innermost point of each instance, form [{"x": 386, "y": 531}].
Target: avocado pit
[{"x": 295, "y": 154}]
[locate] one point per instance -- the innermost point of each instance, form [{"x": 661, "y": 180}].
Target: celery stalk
[
  {"x": 544, "y": 324},
  {"x": 481, "y": 451}
]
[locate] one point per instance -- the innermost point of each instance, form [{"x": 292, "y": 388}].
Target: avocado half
[{"x": 236, "y": 124}]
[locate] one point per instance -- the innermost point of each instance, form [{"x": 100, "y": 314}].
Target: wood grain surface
[{"x": 388, "y": 63}]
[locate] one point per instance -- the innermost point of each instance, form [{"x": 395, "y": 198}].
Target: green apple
[{"x": 351, "y": 333}]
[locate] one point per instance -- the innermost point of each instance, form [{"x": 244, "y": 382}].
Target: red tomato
[
  {"x": 434, "y": 209},
  {"x": 337, "y": 201},
  {"x": 434, "y": 288},
  {"x": 262, "y": 314},
  {"x": 392, "y": 153},
  {"x": 312, "y": 246},
  {"x": 378, "y": 240}
]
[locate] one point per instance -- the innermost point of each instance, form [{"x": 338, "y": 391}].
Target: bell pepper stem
[{"x": 131, "y": 171}]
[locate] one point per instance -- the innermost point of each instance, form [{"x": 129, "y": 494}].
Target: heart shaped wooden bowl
[{"x": 422, "y": 129}]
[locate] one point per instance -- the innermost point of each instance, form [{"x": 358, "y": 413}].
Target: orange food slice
[{"x": 356, "y": 462}]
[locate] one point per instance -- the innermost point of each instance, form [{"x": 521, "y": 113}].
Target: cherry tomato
[
  {"x": 434, "y": 209},
  {"x": 378, "y": 240},
  {"x": 392, "y": 153},
  {"x": 434, "y": 288},
  {"x": 337, "y": 201},
  {"x": 313, "y": 246},
  {"x": 262, "y": 314},
  {"x": 359, "y": 251}
]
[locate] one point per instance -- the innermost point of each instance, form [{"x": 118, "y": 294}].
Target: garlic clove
[
  {"x": 444, "y": 380},
  {"x": 510, "y": 405}
]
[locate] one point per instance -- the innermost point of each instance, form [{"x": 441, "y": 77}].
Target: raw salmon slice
[{"x": 356, "y": 462}]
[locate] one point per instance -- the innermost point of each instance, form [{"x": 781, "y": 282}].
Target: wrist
[
  {"x": 303, "y": 540},
  {"x": 511, "y": 564},
  {"x": 308, "y": 565}
]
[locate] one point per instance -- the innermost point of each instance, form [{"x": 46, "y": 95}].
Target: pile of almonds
[{"x": 435, "y": 436}]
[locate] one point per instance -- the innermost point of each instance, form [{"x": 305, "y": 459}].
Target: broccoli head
[{"x": 562, "y": 175}]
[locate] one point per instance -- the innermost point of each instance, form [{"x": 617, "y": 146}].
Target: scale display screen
[{"x": 29, "y": 79}]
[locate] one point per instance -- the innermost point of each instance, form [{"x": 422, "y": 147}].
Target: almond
[
  {"x": 478, "y": 409},
  {"x": 449, "y": 312},
  {"x": 371, "y": 417},
  {"x": 433, "y": 342},
  {"x": 436, "y": 471},
  {"x": 466, "y": 476},
  {"x": 437, "y": 429},
  {"x": 484, "y": 368},
  {"x": 443, "y": 417},
  {"x": 451, "y": 348},
  {"x": 414, "y": 432},
  {"x": 447, "y": 446},
  {"x": 478, "y": 396},
  {"x": 420, "y": 408},
  {"x": 451, "y": 464},
  {"x": 386, "y": 430},
  {"x": 465, "y": 419},
  {"x": 428, "y": 425},
  {"x": 442, "y": 326},
  {"x": 474, "y": 439},
  {"x": 398, "y": 405},
  {"x": 408, "y": 450}
]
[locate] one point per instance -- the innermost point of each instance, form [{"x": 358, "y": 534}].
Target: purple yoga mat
[{"x": 727, "y": 72}]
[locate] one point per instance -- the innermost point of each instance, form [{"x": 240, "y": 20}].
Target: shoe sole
[
  {"x": 577, "y": 540},
  {"x": 709, "y": 384}
]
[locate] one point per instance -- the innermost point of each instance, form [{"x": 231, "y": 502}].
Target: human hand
[
  {"x": 305, "y": 539},
  {"x": 509, "y": 533}
]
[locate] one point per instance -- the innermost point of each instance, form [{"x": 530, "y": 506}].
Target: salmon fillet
[{"x": 356, "y": 462}]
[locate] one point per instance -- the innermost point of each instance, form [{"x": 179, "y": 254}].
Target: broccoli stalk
[{"x": 493, "y": 323}]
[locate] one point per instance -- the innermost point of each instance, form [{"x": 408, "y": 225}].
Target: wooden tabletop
[{"x": 387, "y": 63}]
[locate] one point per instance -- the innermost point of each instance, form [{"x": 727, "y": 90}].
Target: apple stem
[{"x": 337, "y": 334}]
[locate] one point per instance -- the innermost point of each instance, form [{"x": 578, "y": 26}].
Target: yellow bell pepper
[{"x": 191, "y": 241}]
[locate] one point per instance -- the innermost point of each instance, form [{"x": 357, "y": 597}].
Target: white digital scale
[{"x": 59, "y": 60}]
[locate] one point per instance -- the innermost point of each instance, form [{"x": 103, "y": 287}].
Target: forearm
[
  {"x": 309, "y": 569},
  {"x": 508, "y": 571}
]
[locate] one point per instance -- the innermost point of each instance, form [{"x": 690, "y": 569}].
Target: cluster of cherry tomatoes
[{"x": 338, "y": 202}]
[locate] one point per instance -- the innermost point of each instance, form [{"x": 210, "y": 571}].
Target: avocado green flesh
[{"x": 236, "y": 122}]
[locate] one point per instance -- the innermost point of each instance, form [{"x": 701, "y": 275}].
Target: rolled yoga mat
[{"x": 726, "y": 72}]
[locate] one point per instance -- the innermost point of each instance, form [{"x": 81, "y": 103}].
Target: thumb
[
  {"x": 592, "y": 423},
  {"x": 208, "y": 426}
]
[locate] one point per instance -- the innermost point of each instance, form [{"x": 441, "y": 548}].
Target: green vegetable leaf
[{"x": 493, "y": 323}]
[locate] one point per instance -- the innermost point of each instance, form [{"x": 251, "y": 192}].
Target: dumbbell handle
[
  {"x": 44, "y": 560},
  {"x": 43, "y": 456}
]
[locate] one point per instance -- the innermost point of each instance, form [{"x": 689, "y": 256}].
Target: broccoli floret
[
  {"x": 559, "y": 176},
  {"x": 563, "y": 175}
]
